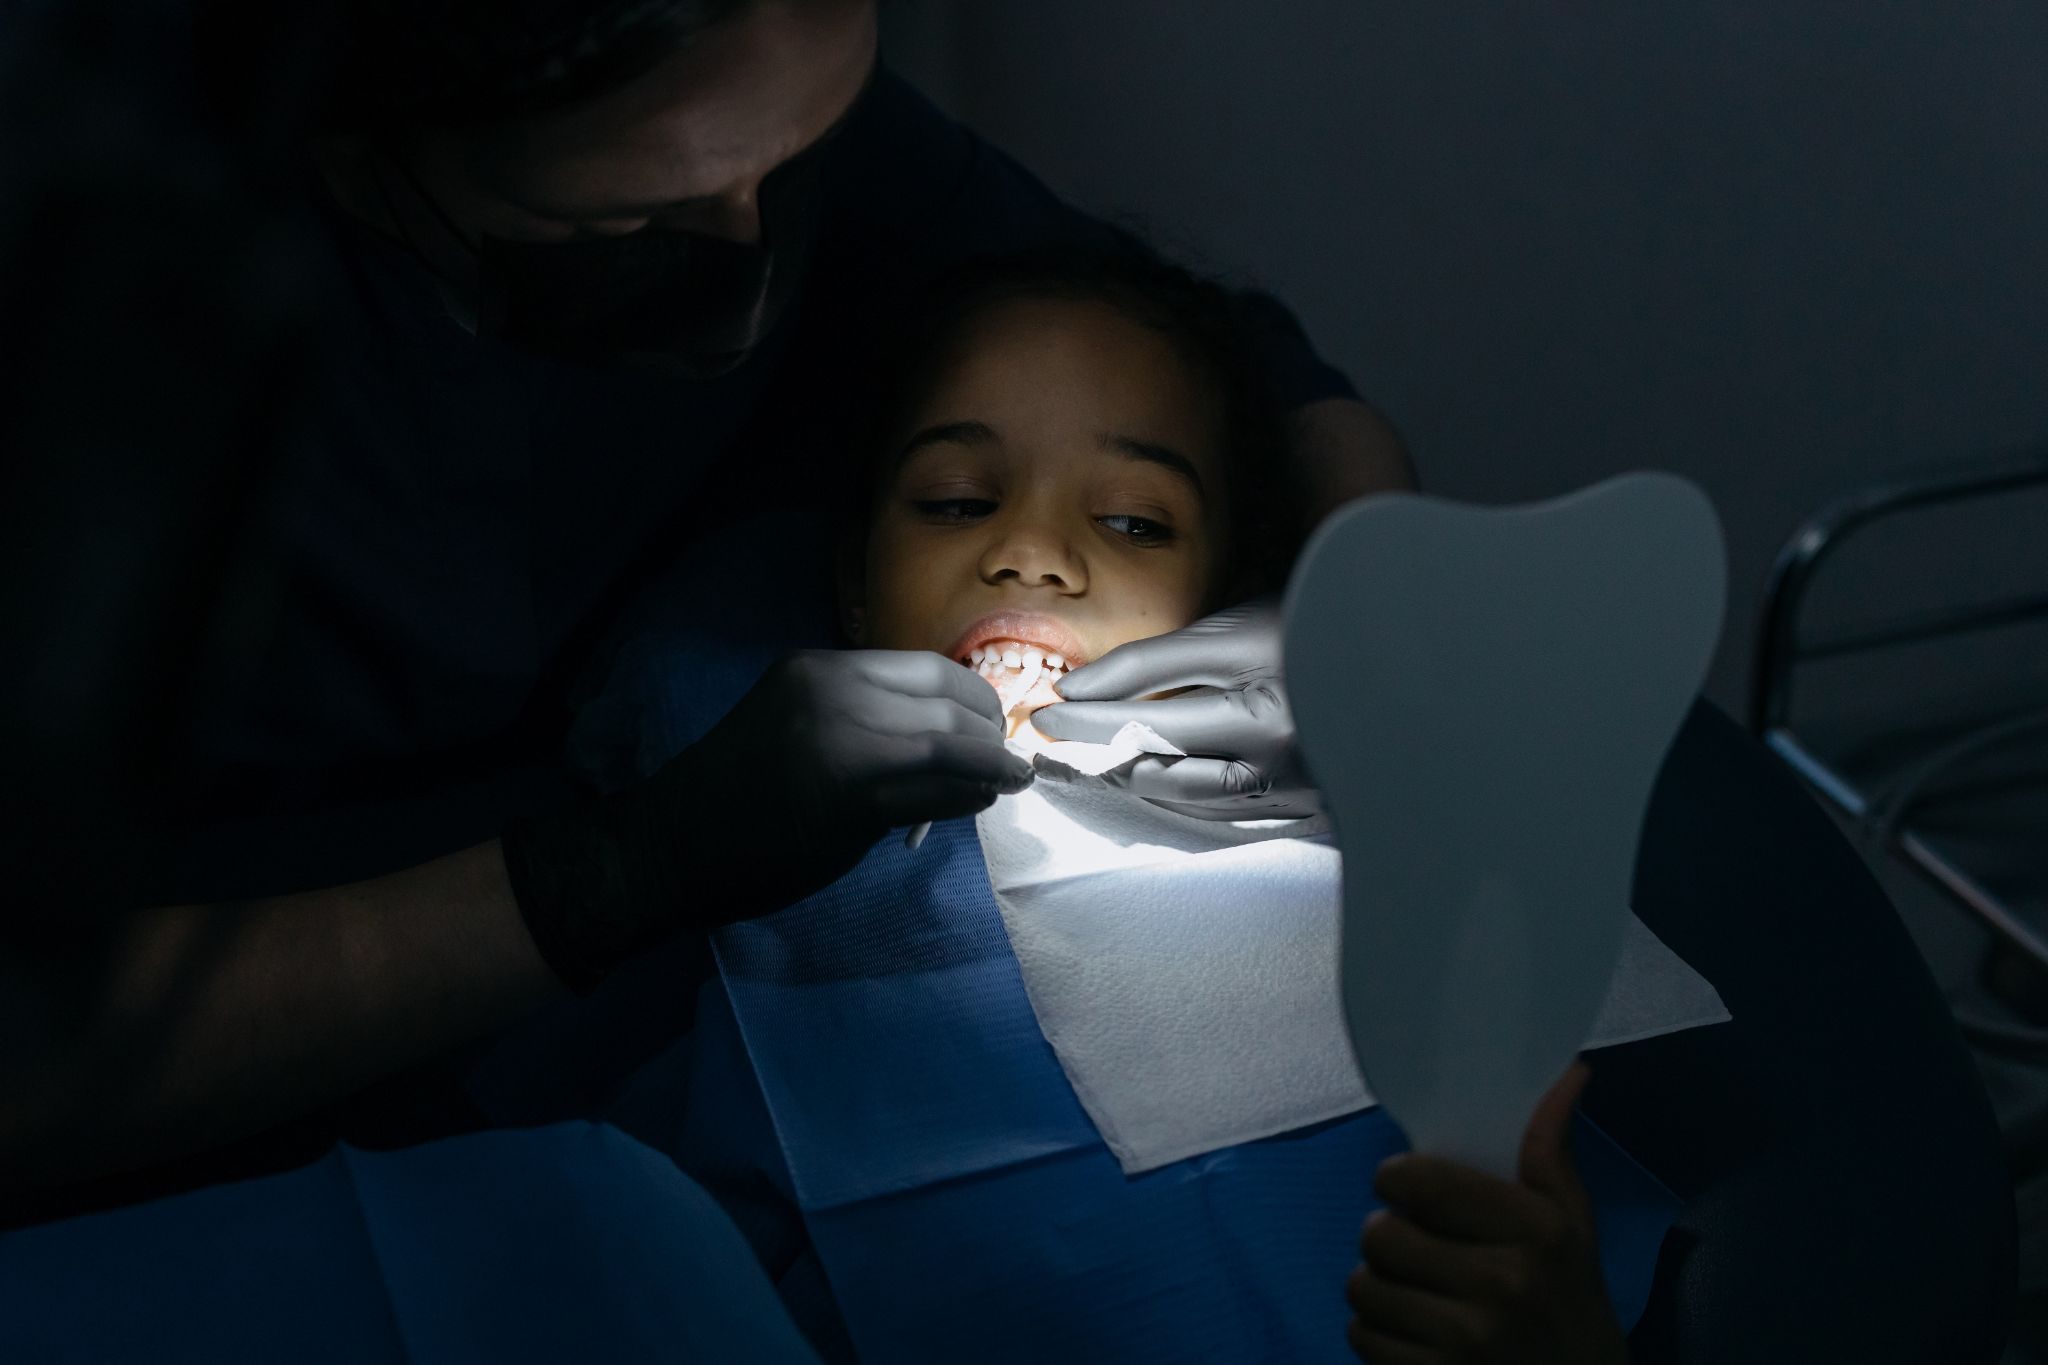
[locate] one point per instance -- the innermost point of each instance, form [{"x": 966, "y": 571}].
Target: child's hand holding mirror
[{"x": 1462, "y": 1266}]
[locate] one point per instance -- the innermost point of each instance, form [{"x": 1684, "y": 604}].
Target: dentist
[{"x": 577, "y": 251}]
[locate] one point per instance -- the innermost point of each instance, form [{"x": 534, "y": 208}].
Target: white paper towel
[{"x": 1185, "y": 971}]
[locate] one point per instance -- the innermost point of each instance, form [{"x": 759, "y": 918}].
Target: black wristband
[
  {"x": 585, "y": 899},
  {"x": 618, "y": 875}
]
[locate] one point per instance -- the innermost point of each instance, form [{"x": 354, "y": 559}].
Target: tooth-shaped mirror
[{"x": 1484, "y": 696}]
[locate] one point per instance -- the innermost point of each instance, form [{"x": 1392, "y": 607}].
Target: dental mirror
[{"x": 1484, "y": 696}]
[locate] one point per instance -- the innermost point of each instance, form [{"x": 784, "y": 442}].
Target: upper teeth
[{"x": 1015, "y": 654}]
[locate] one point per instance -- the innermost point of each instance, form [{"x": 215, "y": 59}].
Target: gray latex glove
[
  {"x": 827, "y": 752},
  {"x": 1239, "y": 732}
]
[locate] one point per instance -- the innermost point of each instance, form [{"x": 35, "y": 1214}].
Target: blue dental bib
[{"x": 960, "y": 1202}]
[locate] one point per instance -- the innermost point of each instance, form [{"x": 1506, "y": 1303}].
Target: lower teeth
[{"x": 1005, "y": 679}]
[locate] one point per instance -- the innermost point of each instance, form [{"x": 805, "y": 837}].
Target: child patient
[
  {"x": 1069, "y": 453},
  {"x": 1072, "y": 453}
]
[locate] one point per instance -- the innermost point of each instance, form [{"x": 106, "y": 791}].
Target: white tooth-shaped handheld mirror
[{"x": 1484, "y": 697}]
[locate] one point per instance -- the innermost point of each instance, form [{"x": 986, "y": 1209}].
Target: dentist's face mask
[{"x": 681, "y": 301}]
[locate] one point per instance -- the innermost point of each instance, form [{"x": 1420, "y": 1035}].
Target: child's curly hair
[{"x": 1205, "y": 320}]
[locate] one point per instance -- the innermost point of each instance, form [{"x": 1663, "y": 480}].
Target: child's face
[{"x": 1059, "y": 485}]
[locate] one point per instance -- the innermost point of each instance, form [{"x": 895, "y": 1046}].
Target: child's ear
[{"x": 1242, "y": 581}]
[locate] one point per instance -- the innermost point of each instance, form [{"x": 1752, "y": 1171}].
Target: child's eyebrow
[
  {"x": 1153, "y": 453},
  {"x": 958, "y": 433},
  {"x": 1129, "y": 447}
]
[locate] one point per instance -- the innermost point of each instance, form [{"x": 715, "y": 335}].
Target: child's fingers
[
  {"x": 1399, "y": 1250},
  {"x": 1405, "y": 1312},
  {"x": 1377, "y": 1348},
  {"x": 1462, "y": 1203},
  {"x": 1546, "y": 1157}
]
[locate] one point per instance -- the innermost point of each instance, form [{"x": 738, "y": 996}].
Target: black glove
[
  {"x": 1243, "y": 762},
  {"x": 828, "y": 752}
]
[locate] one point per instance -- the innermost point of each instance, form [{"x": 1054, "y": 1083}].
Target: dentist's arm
[
  {"x": 162, "y": 1032},
  {"x": 1341, "y": 449}
]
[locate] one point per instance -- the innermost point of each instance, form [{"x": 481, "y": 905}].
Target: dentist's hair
[
  {"x": 1208, "y": 323},
  {"x": 408, "y": 63}
]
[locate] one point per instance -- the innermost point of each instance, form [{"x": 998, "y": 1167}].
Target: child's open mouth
[{"x": 1022, "y": 676}]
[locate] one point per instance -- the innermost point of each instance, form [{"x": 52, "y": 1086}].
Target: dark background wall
[{"x": 1780, "y": 248}]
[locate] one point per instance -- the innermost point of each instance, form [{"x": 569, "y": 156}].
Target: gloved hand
[
  {"x": 1242, "y": 763},
  {"x": 784, "y": 795}
]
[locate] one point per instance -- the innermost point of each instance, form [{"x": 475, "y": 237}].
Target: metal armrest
[
  {"x": 1882, "y": 799},
  {"x": 1778, "y": 648}
]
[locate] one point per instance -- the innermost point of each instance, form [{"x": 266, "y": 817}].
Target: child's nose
[{"x": 1034, "y": 558}]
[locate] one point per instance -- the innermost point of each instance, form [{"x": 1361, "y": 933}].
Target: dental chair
[
  {"x": 1837, "y": 1155},
  {"x": 1936, "y": 753},
  {"x": 1957, "y": 790},
  {"x": 1846, "y": 1198}
]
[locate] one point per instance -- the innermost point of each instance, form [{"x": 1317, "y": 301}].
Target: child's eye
[
  {"x": 955, "y": 509},
  {"x": 1141, "y": 530}
]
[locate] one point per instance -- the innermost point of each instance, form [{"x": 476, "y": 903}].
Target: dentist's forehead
[{"x": 709, "y": 119}]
